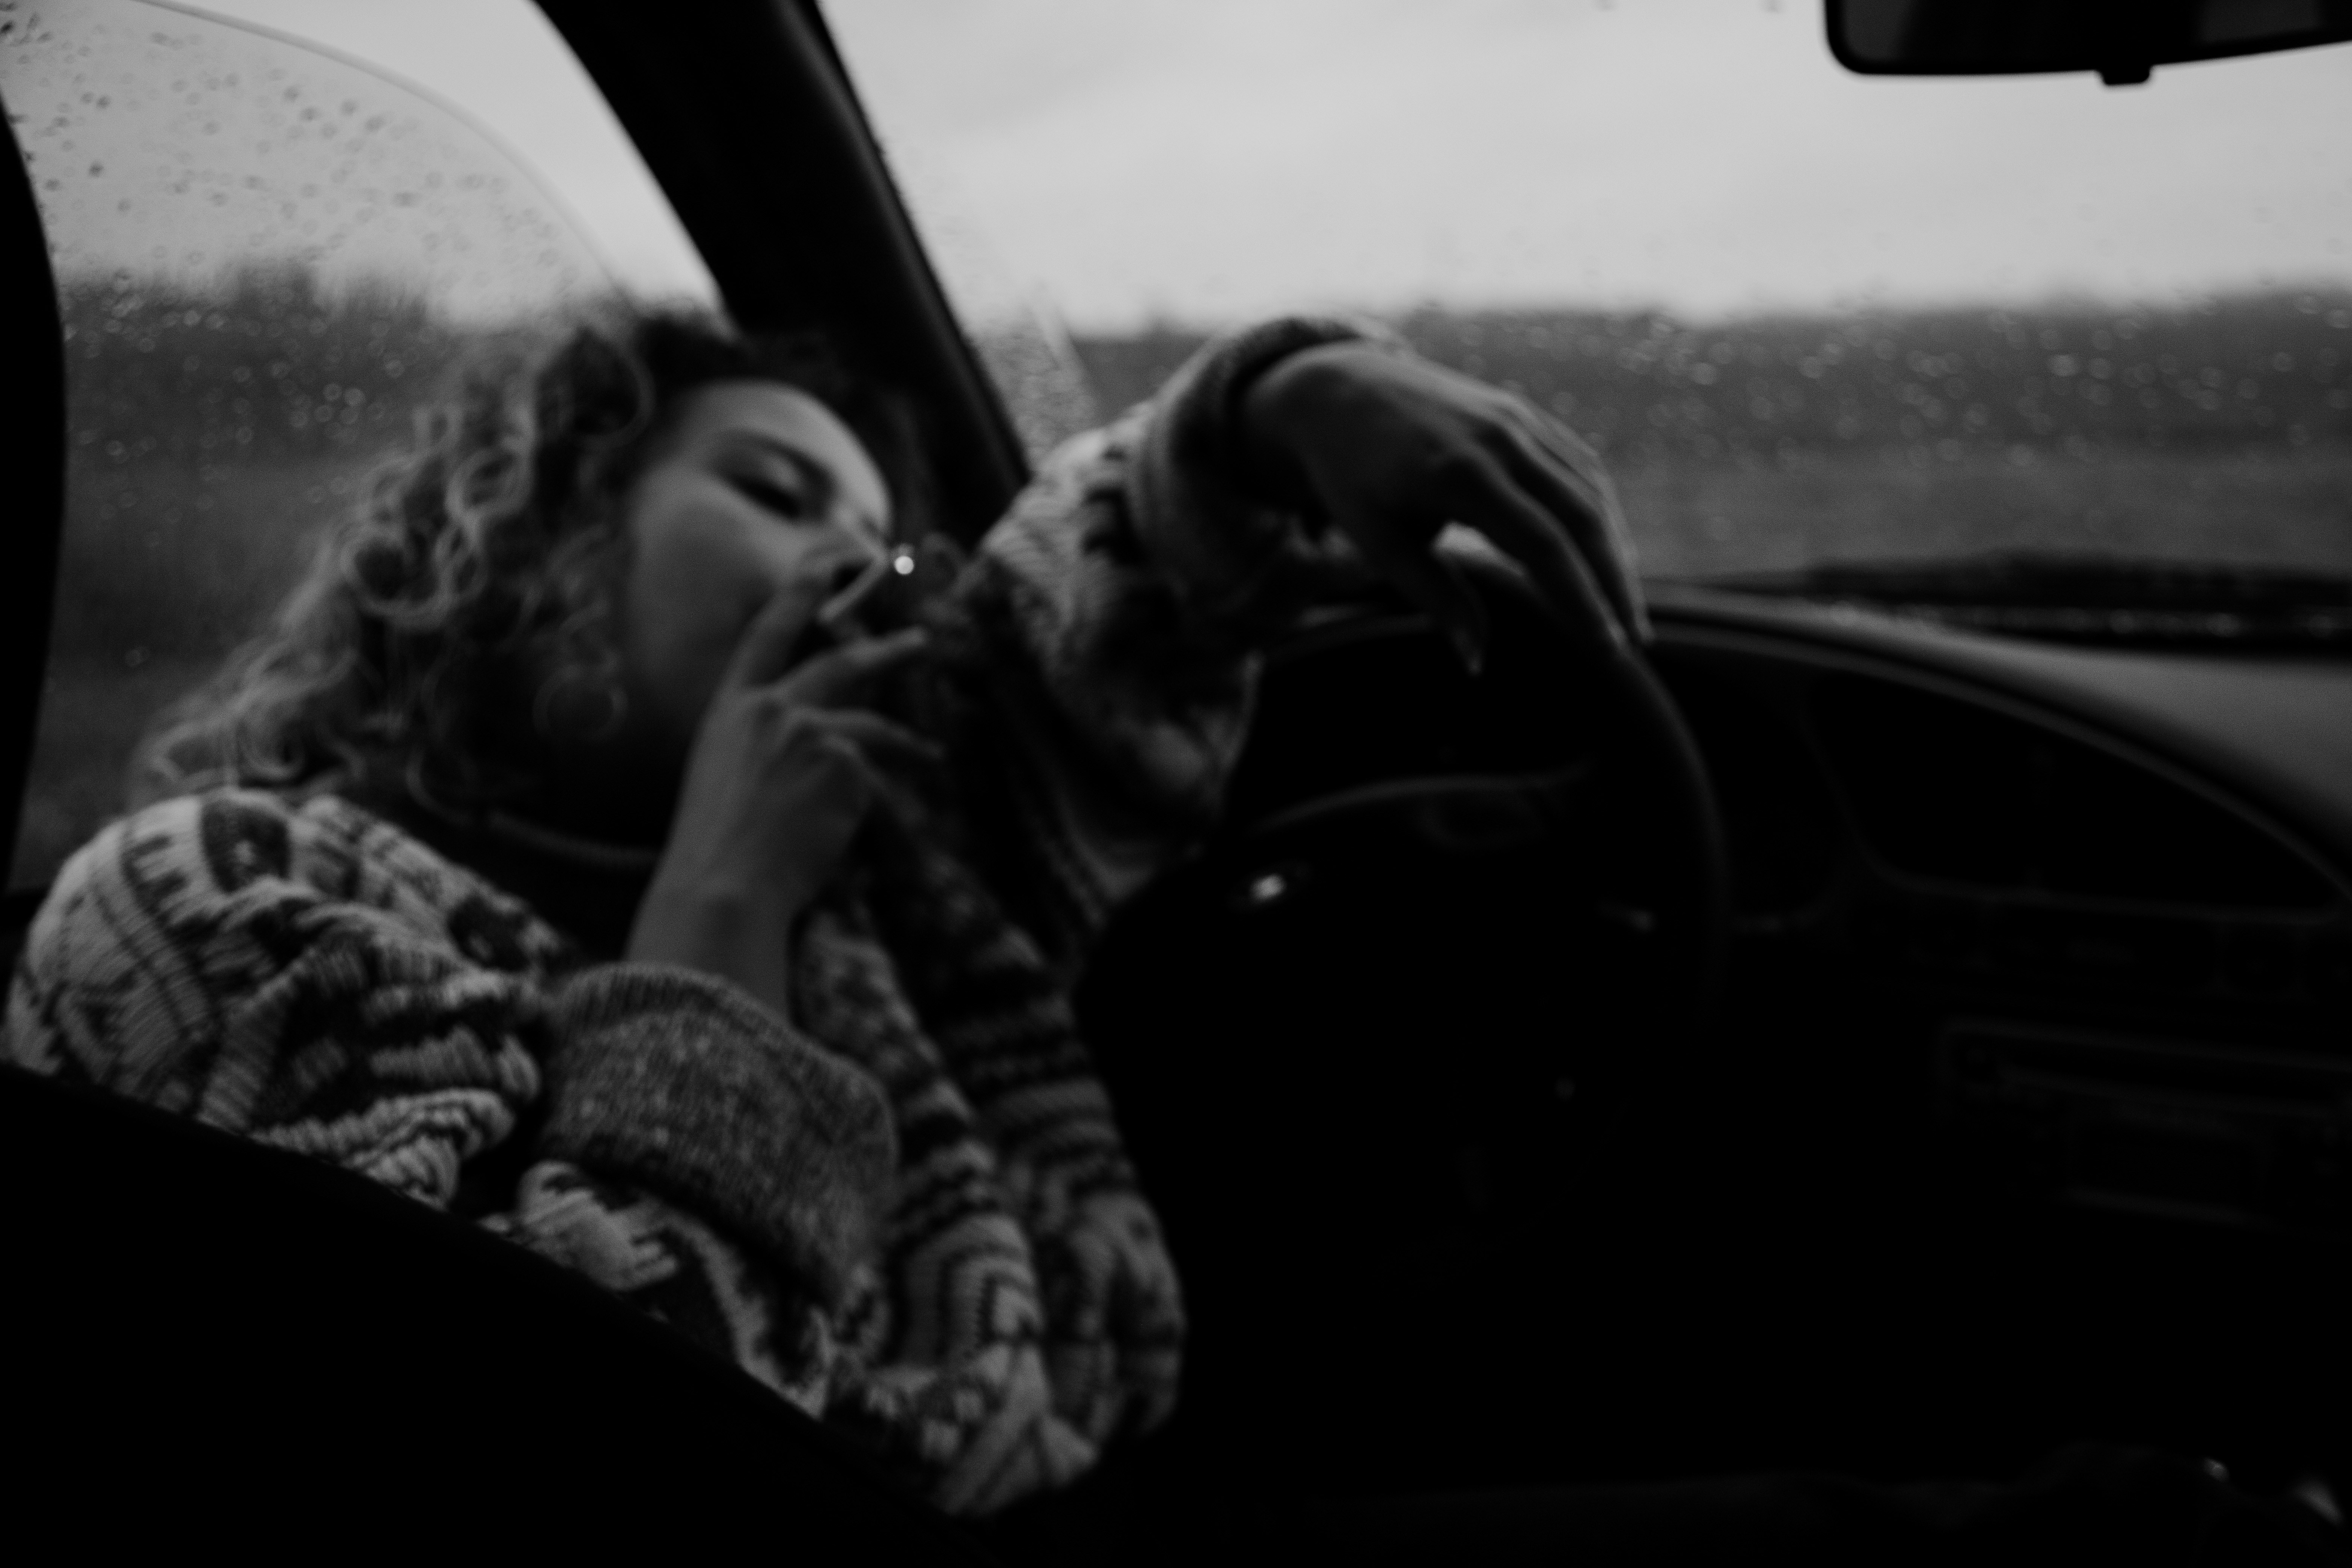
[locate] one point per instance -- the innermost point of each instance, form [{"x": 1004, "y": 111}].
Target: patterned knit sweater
[{"x": 906, "y": 1208}]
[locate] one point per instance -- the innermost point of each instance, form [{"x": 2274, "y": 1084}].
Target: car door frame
[{"x": 32, "y": 455}]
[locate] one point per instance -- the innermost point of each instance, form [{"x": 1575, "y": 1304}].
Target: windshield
[{"x": 1811, "y": 319}]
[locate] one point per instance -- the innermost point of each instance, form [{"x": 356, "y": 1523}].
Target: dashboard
[
  {"x": 2023, "y": 1114},
  {"x": 2109, "y": 891}
]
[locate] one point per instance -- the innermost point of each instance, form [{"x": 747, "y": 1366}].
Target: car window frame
[
  {"x": 708, "y": 104},
  {"x": 33, "y": 450}
]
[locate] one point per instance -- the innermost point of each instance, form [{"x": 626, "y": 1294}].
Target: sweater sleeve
[
  {"x": 682, "y": 1084},
  {"x": 303, "y": 975},
  {"x": 1104, "y": 643},
  {"x": 311, "y": 977}
]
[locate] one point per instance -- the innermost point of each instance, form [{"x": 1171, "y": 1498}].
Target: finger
[
  {"x": 852, "y": 771},
  {"x": 1529, "y": 535},
  {"x": 1435, "y": 582},
  {"x": 1556, "y": 470},
  {"x": 1594, "y": 525},
  {"x": 842, "y": 675},
  {"x": 836, "y": 611},
  {"x": 873, "y": 735},
  {"x": 764, "y": 651}
]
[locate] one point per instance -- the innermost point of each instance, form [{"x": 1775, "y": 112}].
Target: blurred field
[
  {"x": 92, "y": 711},
  {"x": 2269, "y": 370},
  {"x": 166, "y": 569},
  {"x": 214, "y": 436},
  {"x": 2257, "y": 505}
]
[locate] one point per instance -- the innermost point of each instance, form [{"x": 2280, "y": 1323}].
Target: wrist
[
  {"x": 731, "y": 933},
  {"x": 1268, "y": 407},
  {"x": 1259, "y": 371},
  {"x": 1283, "y": 405}
]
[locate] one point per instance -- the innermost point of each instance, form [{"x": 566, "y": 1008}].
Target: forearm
[{"x": 732, "y": 935}]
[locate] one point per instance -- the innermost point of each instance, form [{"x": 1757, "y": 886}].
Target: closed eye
[{"x": 785, "y": 500}]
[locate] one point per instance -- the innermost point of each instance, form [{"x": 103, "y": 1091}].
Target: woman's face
[{"x": 754, "y": 486}]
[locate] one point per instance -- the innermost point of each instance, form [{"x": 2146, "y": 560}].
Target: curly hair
[{"x": 493, "y": 544}]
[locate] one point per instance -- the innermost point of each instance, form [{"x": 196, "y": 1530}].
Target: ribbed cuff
[{"x": 669, "y": 1078}]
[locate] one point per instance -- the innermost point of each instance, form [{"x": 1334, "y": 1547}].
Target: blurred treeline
[
  {"x": 211, "y": 429},
  {"x": 2270, "y": 370},
  {"x": 214, "y": 427},
  {"x": 266, "y": 365}
]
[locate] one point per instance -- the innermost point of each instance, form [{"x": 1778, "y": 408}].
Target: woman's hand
[
  {"x": 1395, "y": 447},
  {"x": 780, "y": 776}
]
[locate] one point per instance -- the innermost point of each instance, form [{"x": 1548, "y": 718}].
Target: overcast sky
[
  {"x": 1226, "y": 157},
  {"x": 1203, "y": 160}
]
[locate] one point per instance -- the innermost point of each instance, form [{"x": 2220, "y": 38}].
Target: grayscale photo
[{"x": 1152, "y": 782}]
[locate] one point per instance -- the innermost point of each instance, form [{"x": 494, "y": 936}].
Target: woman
[{"x": 611, "y": 843}]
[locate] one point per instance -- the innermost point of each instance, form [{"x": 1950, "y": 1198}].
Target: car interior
[{"x": 1862, "y": 1040}]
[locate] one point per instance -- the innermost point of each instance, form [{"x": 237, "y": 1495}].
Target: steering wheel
[{"x": 1363, "y": 1044}]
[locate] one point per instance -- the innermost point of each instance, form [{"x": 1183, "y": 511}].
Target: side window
[{"x": 266, "y": 255}]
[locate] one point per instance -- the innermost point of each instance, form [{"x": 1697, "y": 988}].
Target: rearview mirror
[{"x": 2122, "y": 40}]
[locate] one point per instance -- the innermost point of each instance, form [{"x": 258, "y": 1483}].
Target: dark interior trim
[
  {"x": 748, "y": 120},
  {"x": 2063, "y": 689},
  {"x": 357, "y": 1341},
  {"x": 33, "y": 455}
]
